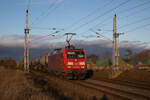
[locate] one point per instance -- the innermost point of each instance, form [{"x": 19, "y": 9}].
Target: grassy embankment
[
  {"x": 133, "y": 75},
  {"x": 15, "y": 85}
]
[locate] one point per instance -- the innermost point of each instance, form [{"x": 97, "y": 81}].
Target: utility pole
[
  {"x": 115, "y": 43},
  {"x": 26, "y": 44}
]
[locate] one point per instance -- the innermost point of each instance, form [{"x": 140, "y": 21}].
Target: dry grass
[
  {"x": 63, "y": 89},
  {"x": 101, "y": 74},
  {"x": 15, "y": 86},
  {"x": 133, "y": 75}
]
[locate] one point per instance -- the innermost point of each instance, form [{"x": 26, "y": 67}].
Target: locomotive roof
[{"x": 73, "y": 49}]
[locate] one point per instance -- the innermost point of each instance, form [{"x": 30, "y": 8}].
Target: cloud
[
  {"x": 12, "y": 40},
  {"x": 134, "y": 44},
  {"x": 36, "y": 41},
  {"x": 12, "y": 46},
  {"x": 42, "y": 41},
  {"x": 88, "y": 36}
]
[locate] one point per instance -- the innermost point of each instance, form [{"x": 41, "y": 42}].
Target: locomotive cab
[
  {"x": 68, "y": 62},
  {"x": 75, "y": 59},
  {"x": 75, "y": 62}
]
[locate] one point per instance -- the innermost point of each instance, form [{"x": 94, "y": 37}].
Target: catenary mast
[{"x": 26, "y": 43}]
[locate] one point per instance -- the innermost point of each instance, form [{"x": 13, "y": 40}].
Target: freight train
[{"x": 69, "y": 63}]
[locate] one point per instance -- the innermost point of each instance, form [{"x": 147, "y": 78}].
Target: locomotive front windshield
[{"x": 75, "y": 54}]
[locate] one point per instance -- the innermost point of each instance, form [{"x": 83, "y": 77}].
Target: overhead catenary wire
[
  {"x": 123, "y": 11},
  {"x": 132, "y": 8},
  {"x": 105, "y": 37},
  {"x": 136, "y": 12},
  {"x": 46, "y": 28},
  {"x": 137, "y": 28},
  {"x": 44, "y": 12},
  {"x": 138, "y": 21},
  {"x": 90, "y": 14},
  {"x": 113, "y": 8},
  {"x": 127, "y": 10},
  {"x": 42, "y": 15},
  {"x": 98, "y": 34},
  {"x": 55, "y": 8},
  {"x": 43, "y": 37},
  {"x": 105, "y": 13},
  {"x": 51, "y": 9},
  {"x": 41, "y": 28}
]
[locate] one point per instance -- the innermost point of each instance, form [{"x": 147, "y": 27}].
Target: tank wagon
[{"x": 70, "y": 63}]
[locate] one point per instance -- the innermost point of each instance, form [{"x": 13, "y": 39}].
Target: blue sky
[{"x": 71, "y": 16}]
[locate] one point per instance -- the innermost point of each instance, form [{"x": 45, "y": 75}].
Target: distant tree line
[
  {"x": 8, "y": 63},
  {"x": 106, "y": 60}
]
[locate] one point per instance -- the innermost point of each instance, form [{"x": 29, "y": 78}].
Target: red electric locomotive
[{"x": 70, "y": 63}]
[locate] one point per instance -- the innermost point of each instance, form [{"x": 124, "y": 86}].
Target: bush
[
  {"x": 104, "y": 62},
  {"x": 8, "y": 63},
  {"x": 107, "y": 62},
  {"x": 143, "y": 61}
]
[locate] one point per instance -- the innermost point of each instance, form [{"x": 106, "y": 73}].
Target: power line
[
  {"x": 101, "y": 35},
  {"x": 46, "y": 28},
  {"x": 44, "y": 12},
  {"x": 138, "y": 21},
  {"x": 147, "y": 18},
  {"x": 137, "y": 28},
  {"x": 129, "y": 9},
  {"x": 90, "y": 14},
  {"x": 53, "y": 7},
  {"x": 136, "y": 12},
  {"x": 105, "y": 13},
  {"x": 44, "y": 36},
  {"x": 41, "y": 28}
]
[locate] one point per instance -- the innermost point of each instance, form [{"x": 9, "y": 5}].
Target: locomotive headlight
[
  {"x": 70, "y": 63},
  {"x": 82, "y": 63},
  {"x": 68, "y": 66},
  {"x": 82, "y": 67}
]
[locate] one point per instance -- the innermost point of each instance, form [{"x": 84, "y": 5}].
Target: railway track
[
  {"x": 125, "y": 93},
  {"x": 122, "y": 92},
  {"x": 126, "y": 83}
]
